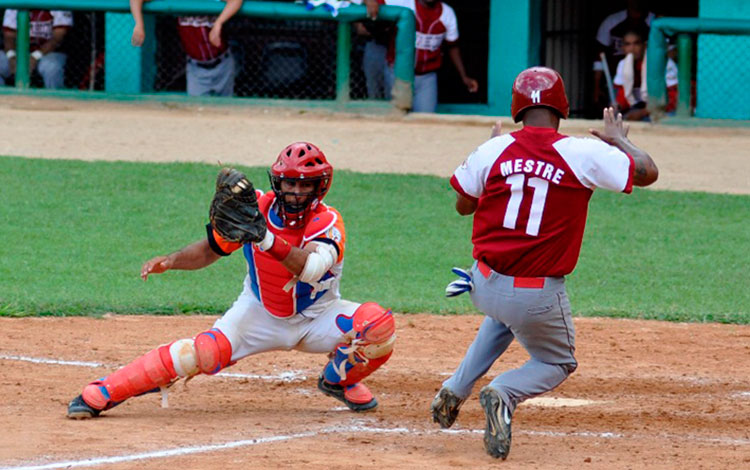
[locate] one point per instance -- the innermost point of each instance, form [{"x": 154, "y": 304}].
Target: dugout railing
[
  {"x": 686, "y": 30},
  {"x": 127, "y": 65}
]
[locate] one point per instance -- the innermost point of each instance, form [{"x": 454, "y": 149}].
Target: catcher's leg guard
[
  {"x": 373, "y": 329},
  {"x": 208, "y": 353}
]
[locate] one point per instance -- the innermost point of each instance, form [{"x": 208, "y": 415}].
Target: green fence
[
  {"x": 129, "y": 72},
  {"x": 722, "y": 70}
]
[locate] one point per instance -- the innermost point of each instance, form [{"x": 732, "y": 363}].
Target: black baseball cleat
[
  {"x": 357, "y": 397},
  {"x": 445, "y": 408},
  {"x": 78, "y": 409},
  {"x": 497, "y": 432}
]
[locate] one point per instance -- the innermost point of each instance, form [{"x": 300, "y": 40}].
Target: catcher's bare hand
[
  {"x": 234, "y": 209},
  {"x": 155, "y": 265},
  {"x": 614, "y": 129}
]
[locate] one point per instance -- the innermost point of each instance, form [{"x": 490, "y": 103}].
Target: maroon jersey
[
  {"x": 41, "y": 24},
  {"x": 194, "y": 31},
  {"x": 533, "y": 188}
]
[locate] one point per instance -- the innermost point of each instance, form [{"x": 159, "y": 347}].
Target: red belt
[{"x": 521, "y": 282}]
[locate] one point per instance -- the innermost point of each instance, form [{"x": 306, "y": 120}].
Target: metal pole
[
  {"x": 343, "y": 53},
  {"x": 684, "y": 73},
  {"x": 22, "y": 50}
]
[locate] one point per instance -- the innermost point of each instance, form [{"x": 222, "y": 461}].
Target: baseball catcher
[{"x": 294, "y": 246}]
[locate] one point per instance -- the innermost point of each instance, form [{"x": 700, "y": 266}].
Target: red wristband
[{"x": 280, "y": 249}]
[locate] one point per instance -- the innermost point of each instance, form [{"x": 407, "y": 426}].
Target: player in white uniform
[
  {"x": 290, "y": 300},
  {"x": 529, "y": 192}
]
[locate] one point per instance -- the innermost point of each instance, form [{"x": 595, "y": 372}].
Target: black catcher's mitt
[{"x": 234, "y": 210}]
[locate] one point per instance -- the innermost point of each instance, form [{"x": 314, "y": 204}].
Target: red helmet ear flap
[{"x": 539, "y": 86}]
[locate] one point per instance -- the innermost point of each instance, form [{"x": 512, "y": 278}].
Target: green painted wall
[
  {"x": 129, "y": 69},
  {"x": 723, "y": 65},
  {"x": 515, "y": 37}
]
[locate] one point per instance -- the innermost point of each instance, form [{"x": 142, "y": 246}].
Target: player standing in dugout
[{"x": 529, "y": 192}]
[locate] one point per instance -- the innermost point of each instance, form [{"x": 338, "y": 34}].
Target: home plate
[{"x": 553, "y": 402}]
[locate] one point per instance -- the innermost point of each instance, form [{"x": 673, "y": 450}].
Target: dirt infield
[
  {"x": 646, "y": 394},
  {"x": 701, "y": 159}
]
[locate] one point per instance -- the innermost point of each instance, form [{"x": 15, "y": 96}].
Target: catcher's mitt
[{"x": 234, "y": 210}]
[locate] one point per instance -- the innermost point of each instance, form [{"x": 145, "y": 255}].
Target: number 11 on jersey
[{"x": 516, "y": 183}]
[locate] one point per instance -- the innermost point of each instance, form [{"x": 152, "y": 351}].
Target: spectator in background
[
  {"x": 210, "y": 67},
  {"x": 374, "y": 57},
  {"x": 436, "y": 24},
  {"x": 47, "y": 29},
  {"x": 630, "y": 80},
  {"x": 609, "y": 39}
]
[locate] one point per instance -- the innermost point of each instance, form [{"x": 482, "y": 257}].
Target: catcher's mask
[
  {"x": 539, "y": 86},
  {"x": 300, "y": 162}
]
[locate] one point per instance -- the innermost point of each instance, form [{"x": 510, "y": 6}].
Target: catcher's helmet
[
  {"x": 539, "y": 86},
  {"x": 300, "y": 161}
]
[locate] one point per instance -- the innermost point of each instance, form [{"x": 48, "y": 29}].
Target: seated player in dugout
[
  {"x": 47, "y": 30},
  {"x": 290, "y": 298},
  {"x": 630, "y": 79}
]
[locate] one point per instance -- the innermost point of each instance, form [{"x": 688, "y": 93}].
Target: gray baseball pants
[
  {"x": 539, "y": 318},
  {"x": 218, "y": 81}
]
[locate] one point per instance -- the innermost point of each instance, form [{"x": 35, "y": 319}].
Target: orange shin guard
[
  {"x": 362, "y": 369},
  {"x": 208, "y": 353},
  {"x": 150, "y": 371}
]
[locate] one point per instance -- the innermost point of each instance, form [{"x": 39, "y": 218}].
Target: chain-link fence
[
  {"x": 272, "y": 58},
  {"x": 723, "y": 74}
]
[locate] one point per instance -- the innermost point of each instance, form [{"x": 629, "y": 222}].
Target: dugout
[{"x": 499, "y": 38}]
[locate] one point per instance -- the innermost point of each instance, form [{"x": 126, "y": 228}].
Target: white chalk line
[
  {"x": 362, "y": 427},
  {"x": 286, "y": 376},
  {"x": 41, "y": 360}
]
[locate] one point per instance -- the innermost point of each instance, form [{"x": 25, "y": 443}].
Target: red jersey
[
  {"x": 267, "y": 276},
  {"x": 434, "y": 25},
  {"x": 533, "y": 188},
  {"x": 41, "y": 24},
  {"x": 194, "y": 31}
]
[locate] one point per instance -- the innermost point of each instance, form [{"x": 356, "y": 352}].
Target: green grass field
[{"x": 74, "y": 235}]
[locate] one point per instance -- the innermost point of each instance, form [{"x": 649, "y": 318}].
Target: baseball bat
[{"x": 608, "y": 77}]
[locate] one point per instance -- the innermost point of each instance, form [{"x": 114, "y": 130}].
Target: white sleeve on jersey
[
  {"x": 620, "y": 75},
  {"x": 672, "y": 73},
  {"x": 595, "y": 163},
  {"x": 448, "y": 17},
  {"x": 473, "y": 173},
  {"x": 61, "y": 18},
  {"x": 10, "y": 19}
]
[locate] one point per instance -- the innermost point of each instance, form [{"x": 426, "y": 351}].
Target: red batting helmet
[
  {"x": 539, "y": 86},
  {"x": 300, "y": 161}
]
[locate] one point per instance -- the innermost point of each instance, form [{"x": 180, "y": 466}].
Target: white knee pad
[{"x": 184, "y": 358}]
